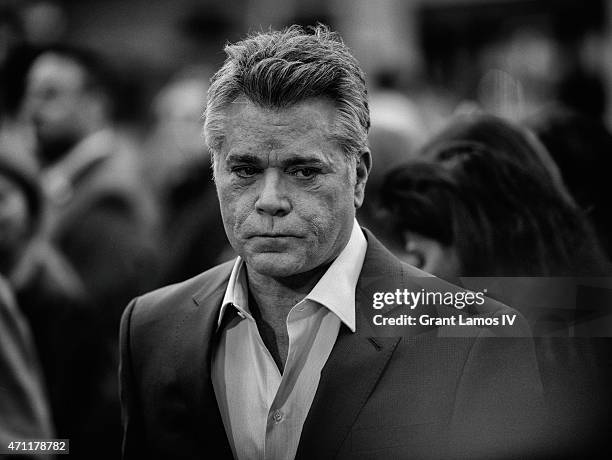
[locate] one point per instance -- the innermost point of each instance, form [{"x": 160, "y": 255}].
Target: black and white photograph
[{"x": 305, "y": 229}]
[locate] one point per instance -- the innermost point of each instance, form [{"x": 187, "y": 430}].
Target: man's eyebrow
[
  {"x": 247, "y": 158},
  {"x": 303, "y": 160},
  {"x": 242, "y": 158}
]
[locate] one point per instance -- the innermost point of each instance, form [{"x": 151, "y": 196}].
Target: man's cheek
[
  {"x": 231, "y": 198},
  {"x": 324, "y": 208},
  {"x": 242, "y": 215}
]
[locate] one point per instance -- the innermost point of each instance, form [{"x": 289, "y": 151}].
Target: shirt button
[{"x": 277, "y": 416}]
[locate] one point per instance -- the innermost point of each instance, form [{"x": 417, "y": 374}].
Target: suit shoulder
[{"x": 172, "y": 299}]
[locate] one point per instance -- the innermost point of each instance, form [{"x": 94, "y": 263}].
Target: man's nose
[{"x": 272, "y": 198}]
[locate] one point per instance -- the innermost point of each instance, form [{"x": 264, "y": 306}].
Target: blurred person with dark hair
[
  {"x": 23, "y": 403},
  {"x": 582, "y": 148},
  {"x": 502, "y": 137},
  {"x": 51, "y": 297},
  {"x": 179, "y": 166},
  {"x": 101, "y": 215},
  {"x": 468, "y": 211}
]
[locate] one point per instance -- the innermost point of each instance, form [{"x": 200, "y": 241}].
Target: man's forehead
[
  {"x": 303, "y": 127},
  {"x": 303, "y": 115}
]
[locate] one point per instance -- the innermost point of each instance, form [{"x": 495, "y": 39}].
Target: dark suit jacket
[{"x": 423, "y": 396}]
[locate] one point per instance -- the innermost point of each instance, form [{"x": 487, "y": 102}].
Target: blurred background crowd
[{"x": 490, "y": 141}]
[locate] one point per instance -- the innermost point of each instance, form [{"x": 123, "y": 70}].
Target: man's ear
[{"x": 363, "y": 166}]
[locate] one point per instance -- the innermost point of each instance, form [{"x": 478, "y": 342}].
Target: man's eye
[
  {"x": 304, "y": 173},
  {"x": 245, "y": 172}
]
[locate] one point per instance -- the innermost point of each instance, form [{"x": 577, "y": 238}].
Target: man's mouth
[{"x": 273, "y": 236}]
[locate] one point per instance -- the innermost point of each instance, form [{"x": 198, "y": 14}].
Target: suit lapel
[
  {"x": 347, "y": 380},
  {"x": 197, "y": 337},
  {"x": 355, "y": 364}
]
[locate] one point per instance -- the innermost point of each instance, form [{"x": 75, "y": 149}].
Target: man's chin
[{"x": 275, "y": 265}]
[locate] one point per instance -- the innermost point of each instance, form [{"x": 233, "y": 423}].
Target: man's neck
[
  {"x": 276, "y": 296},
  {"x": 271, "y": 299}
]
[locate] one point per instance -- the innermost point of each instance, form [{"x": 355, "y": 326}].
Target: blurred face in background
[
  {"x": 176, "y": 144},
  {"x": 178, "y": 110},
  {"x": 288, "y": 192},
  {"x": 56, "y": 103},
  {"x": 15, "y": 223}
]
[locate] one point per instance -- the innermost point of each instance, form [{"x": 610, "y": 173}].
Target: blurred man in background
[{"x": 100, "y": 215}]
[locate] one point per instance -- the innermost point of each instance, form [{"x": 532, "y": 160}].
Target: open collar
[{"x": 335, "y": 290}]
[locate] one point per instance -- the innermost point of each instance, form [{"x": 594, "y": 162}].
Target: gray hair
[{"x": 277, "y": 69}]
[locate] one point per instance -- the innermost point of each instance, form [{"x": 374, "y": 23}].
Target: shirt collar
[
  {"x": 236, "y": 293},
  {"x": 335, "y": 290}
]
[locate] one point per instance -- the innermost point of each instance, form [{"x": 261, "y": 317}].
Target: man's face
[
  {"x": 55, "y": 98},
  {"x": 287, "y": 191}
]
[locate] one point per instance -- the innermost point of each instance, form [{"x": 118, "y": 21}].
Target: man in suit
[
  {"x": 100, "y": 216},
  {"x": 275, "y": 355}
]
